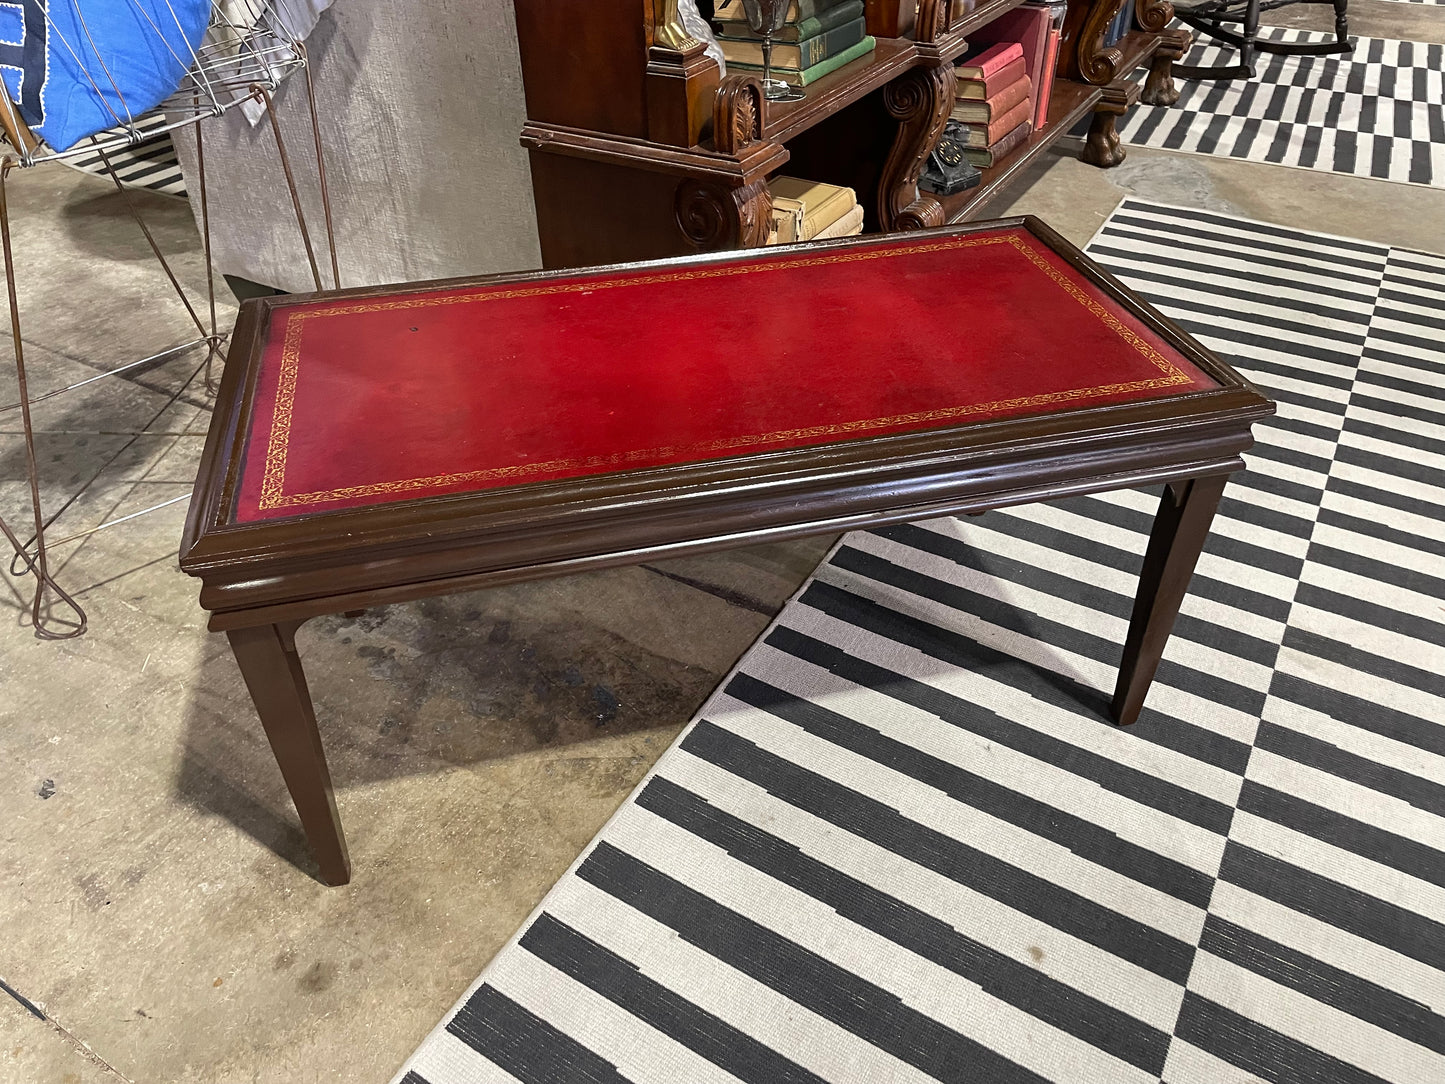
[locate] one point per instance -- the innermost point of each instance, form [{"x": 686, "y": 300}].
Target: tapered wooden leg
[
  {"x": 272, "y": 669},
  {"x": 1180, "y": 529}
]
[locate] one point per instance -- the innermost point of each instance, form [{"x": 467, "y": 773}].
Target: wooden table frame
[{"x": 262, "y": 580}]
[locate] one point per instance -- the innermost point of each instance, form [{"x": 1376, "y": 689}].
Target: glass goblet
[{"x": 766, "y": 17}]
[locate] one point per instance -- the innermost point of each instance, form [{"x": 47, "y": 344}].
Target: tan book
[
  {"x": 850, "y": 225},
  {"x": 787, "y": 220},
  {"x": 983, "y": 112},
  {"x": 823, "y": 204}
]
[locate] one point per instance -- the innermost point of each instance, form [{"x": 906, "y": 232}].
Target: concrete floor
[{"x": 160, "y": 918}]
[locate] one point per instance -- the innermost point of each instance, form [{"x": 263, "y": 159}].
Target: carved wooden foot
[
  {"x": 921, "y": 101},
  {"x": 1159, "y": 88},
  {"x": 1102, "y": 147}
]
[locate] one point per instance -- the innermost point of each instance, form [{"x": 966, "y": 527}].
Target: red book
[
  {"x": 986, "y": 135},
  {"x": 975, "y": 112},
  {"x": 975, "y": 89},
  {"x": 1028, "y": 26},
  {"x": 990, "y": 61},
  {"x": 1046, "y": 80}
]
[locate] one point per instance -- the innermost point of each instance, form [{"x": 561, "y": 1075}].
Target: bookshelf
[{"x": 640, "y": 150}]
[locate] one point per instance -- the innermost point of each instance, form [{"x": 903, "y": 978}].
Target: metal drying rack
[{"x": 246, "y": 52}]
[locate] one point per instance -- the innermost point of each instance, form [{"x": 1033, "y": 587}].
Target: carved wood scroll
[
  {"x": 921, "y": 101},
  {"x": 932, "y": 21},
  {"x": 713, "y": 216},
  {"x": 1086, "y": 58},
  {"x": 1153, "y": 15}
]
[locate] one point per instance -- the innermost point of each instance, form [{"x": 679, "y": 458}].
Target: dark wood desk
[{"x": 374, "y": 446}]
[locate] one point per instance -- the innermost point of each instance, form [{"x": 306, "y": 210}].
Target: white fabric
[{"x": 420, "y": 107}]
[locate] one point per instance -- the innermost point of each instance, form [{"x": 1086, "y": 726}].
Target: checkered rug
[
  {"x": 901, "y": 843},
  {"x": 1375, "y": 113}
]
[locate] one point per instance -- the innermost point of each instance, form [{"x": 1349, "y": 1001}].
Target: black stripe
[
  {"x": 525, "y": 1045},
  {"x": 1218, "y": 246},
  {"x": 1247, "y": 225},
  {"x": 621, "y": 982},
  {"x": 1091, "y": 842},
  {"x": 1128, "y": 266},
  {"x": 1368, "y": 715},
  {"x": 1383, "y": 531},
  {"x": 969, "y": 655},
  {"x": 858, "y": 1006},
  {"x": 1375, "y": 495},
  {"x": 1325, "y": 983},
  {"x": 1365, "y": 662},
  {"x": 1401, "y": 438},
  {"x": 1113, "y": 603},
  {"x": 1372, "y": 613},
  {"x": 1103, "y": 771},
  {"x": 1108, "y": 254},
  {"x": 1270, "y": 519},
  {"x": 1011, "y": 981},
  {"x": 1365, "y": 401},
  {"x": 1278, "y": 487},
  {"x": 1299, "y": 426},
  {"x": 1392, "y": 465},
  {"x": 1418, "y": 342},
  {"x": 1335, "y": 904},
  {"x": 1408, "y": 787},
  {"x": 1257, "y": 1049},
  {"x": 1347, "y": 833},
  {"x": 1061, "y": 908},
  {"x": 1381, "y": 571},
  {"x": 1035, "y": 626},
  {"x": 413, "y": 1077}
]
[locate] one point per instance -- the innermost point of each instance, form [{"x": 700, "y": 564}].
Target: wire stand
[{"x": 243, "y": 58}]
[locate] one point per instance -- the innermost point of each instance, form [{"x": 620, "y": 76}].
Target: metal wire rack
[{"x": 246, "y": 51}]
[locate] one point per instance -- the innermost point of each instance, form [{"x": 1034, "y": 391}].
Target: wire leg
[
  {"x": 34, "y": 563},
  {"x": 214, "y": 338},
  {"x": 321, "y": 167},
  {"x": 290, "y": 182}
]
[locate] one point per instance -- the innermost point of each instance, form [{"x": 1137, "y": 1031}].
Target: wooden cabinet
[{"x": 639, "y": 149}]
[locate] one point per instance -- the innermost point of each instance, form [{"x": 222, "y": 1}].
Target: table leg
[
  {"x": 272, "y": 669},
  {"x": 1185, "y": 512}
]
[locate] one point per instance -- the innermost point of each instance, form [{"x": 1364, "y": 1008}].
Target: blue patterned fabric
[{"x": 77, "y": 67}]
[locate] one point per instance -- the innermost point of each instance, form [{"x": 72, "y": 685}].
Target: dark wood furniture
[
  {"x": 1215, "y": 17},
  {"x": 379, "y": 445},
  {"x": 639, "y": 151}
]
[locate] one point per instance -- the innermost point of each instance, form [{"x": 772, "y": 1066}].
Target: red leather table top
[{"x": 362, "y": 401}]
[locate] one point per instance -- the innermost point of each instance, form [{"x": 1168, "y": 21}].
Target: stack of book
[
  {"x": 1011, "y": 61},
  {"x": 995, "y": 103},
  {"x": 810, "y": 211},
  {"x": 819, "y": 37}
]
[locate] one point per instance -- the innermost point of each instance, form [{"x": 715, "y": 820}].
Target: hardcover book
[
  {"x": 849, "y": 225},
  {"x": 988, "y": 135},
  {"x": 797, "y": 55},
  {"x": 734, "y": 24},
  {"x": 807, "y": 76},
  {"x": 982, "y": 112},
  {"x": 983, "y": 157},
  {"x": 821, "y": 204},
  {"x": 990, "y": 61},
  {"x": 1046, "y": 80},
  {"x": 731, "y": 11},
  {"x": 978, "y": 89}
]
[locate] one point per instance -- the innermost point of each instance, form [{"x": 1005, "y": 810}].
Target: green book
[
  {"x": 736, "y": 26},
  {"x": 796, "y": 55},
  {"x": 817, "y": 71}
]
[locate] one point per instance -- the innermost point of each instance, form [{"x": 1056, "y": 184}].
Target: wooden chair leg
[
  {"x": 272, "y": 669},
  {"x": 1182, "y": 525}
]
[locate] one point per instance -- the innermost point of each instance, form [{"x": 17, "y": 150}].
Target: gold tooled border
[{"x": 272, "y": 484}]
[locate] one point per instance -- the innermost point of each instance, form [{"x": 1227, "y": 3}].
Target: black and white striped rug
[
  {"x": 1378, "y": 112},
  {"x": 151, "y": 164},
  {"x": 903, "y": 844}
]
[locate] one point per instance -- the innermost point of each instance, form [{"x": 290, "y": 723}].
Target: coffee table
[{"x": 379, "y": 445}]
